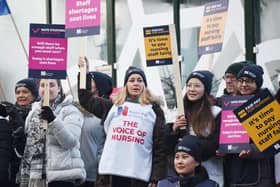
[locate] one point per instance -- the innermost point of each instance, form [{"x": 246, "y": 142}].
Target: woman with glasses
[
  {"x": 201, "y": 119},
  {"x": 249, "y": 168}
]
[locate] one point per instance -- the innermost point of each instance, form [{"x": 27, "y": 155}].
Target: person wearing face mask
[{"x": 134, "y": 150}]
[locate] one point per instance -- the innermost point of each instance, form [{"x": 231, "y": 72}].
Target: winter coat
[
  {"x": 254, "y": 171},
  {"x": 257, "y": 170},
  {"x": 92, "y": 143},
  {"x": 5, "y": 149},
  {"x": 63, "y": 156},
  {"x": 212, "y": 163},
  {"x": 8, "y": 159},
  {"x": 200, "y": 179},
  {"x": 100, "y": 107},
  {"x": 277, "y": 168}
]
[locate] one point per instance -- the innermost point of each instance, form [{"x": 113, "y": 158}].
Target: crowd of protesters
[{"x": 124, "y": 141}]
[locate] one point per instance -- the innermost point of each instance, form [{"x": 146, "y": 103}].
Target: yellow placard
[
  {"x": 264, "y": 126},
  {"x": 212, "y": 29},
  {"x": 158, "y": 47}
]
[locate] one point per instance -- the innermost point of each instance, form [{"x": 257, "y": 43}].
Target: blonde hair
[{"x": 145, "y": 98}]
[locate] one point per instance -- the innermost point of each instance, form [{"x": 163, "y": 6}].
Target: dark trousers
[
  {"x": 87, "y": 184},
  {"x": 118, "y": 181},
  {"x": 4, "y": 167},
  {"x": 60, "y": 184}
]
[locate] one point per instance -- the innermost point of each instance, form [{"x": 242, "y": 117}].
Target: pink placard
[
  {"x": 82, "y": 13},
  {"x": 232, "y": 130},
  {"x": 48, "y": 53}
]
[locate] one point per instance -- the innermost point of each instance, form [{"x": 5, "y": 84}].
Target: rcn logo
[{"x": 122, "y": 110}]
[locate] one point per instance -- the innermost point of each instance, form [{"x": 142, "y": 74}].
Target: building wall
[{"x": 131, "y": 17}]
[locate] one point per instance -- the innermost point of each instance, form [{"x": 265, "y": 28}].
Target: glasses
[{"x": 247, "y": 81}]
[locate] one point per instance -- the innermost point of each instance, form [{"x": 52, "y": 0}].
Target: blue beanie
[
  {"x": 103, "y": 83},
  {"x": 132, "y": 70},
  {"x": 206, "y": 77},
  {"x": 254, "y": 72},
  {"x": 30, "y": 84},
  {"x": 191, "y": 145}
]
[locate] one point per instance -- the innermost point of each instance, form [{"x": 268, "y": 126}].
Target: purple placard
[
  {"x": 233, "y": 136},
  {"x": 47, "y": 51},
  {"x": 82, "y": 17}
]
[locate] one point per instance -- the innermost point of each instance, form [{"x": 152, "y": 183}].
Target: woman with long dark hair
[{"x": 201, "y": 119}]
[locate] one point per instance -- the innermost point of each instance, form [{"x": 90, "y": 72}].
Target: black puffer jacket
[
  {"x": 8, "y": 164},
  {"x": 5, "y": 150}
]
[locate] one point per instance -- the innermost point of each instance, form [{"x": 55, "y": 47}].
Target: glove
[
  {"x": 47, "y": 114},
  {"x": 3, "y": 111},
  {"x": 10, "y": 109}
]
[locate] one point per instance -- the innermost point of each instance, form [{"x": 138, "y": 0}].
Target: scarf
[
  {"x": 23, "y": 110},
  {"x": 33, "y": 167}
]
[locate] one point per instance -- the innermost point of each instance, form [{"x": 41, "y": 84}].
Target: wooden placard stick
[
  {"x": 210, "y": 59},
  {"x": 2, "y": 92},
  {"x": 46, "y": 101},
  {"x": 176, "y": 69},
  {"x": 83, "y": 69}
]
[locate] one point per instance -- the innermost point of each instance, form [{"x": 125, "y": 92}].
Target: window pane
[{"x": 269, "y": 19}]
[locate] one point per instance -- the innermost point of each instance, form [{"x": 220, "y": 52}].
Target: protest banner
[
  {"x": 212, "y": 28},
  {"x": 233, "y": 136},
  {"x": 161, "y": 49},
  {"x": 261, "y": 118},
  {"x": 82, "y": 18},
  {"x": 157, "y": 45},
  {"x": 47, "y": 51}
]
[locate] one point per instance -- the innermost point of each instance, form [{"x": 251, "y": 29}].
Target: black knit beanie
[
  {"x": 103, "y": 83},
  {"x": 132, "y": 70},
  {"x": 30, "y": 84},
  {"x": 206, "y": 77},
  {"x": 254, "y": 72},
  {"x": 191, "y": 145},
  {"x": 235, "y": 68}
]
